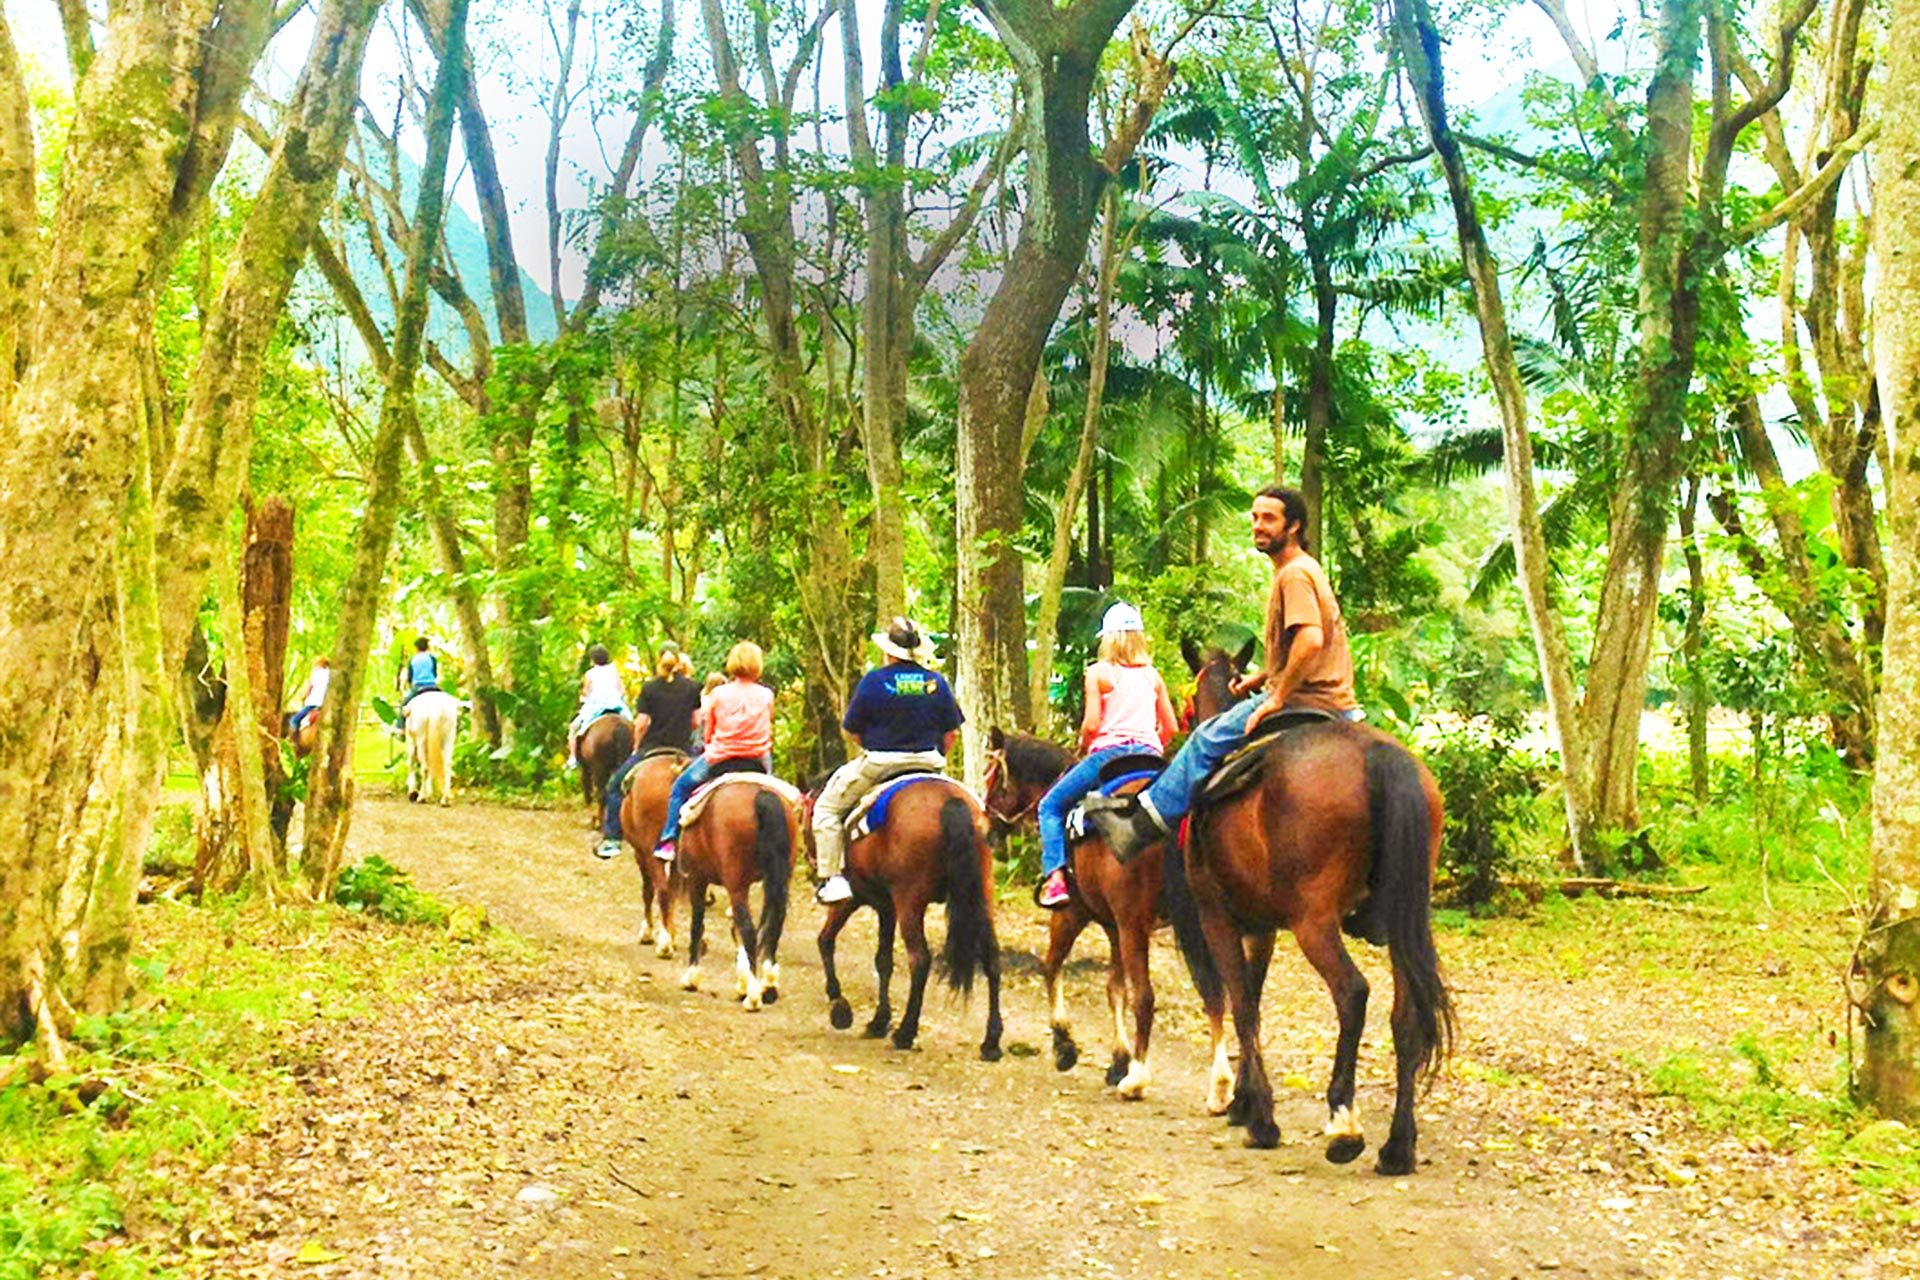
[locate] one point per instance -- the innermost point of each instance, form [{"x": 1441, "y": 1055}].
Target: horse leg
[
  {"x": 697, "y": 903},
  {"x": 882, "y": 972},
  {"x": 1253, "y": 1097},
  {"x": 660, "y": 875},
  {"x": 839, "y": 1012},
  {"x": 1397, "y": 1157},
  {"x": 1219, "y": 1070},
  {"x": 1134, "y": 935},
  {"x": 1256, "y": 954},
  {"x": 746, "y": 956},
  {"x": 990, "y": 1046},
  {"x": 1122, "y": 1060},
  {"x": 1062, "y": 930},
  {"x": 1320, "y": 943},
  {"x": 913, "y": 932}
]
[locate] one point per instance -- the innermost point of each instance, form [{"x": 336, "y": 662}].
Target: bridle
[{"x": 990, "y": 780}]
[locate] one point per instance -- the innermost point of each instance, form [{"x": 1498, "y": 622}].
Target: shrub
[
  {"x": 1489, "y": 783},
  {"x": 377, "y": 887}
]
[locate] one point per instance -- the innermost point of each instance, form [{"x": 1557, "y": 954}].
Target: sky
[{"x": 517, "y": 47}]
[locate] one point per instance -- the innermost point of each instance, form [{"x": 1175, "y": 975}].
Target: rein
[{"x": 990, "y": 781}]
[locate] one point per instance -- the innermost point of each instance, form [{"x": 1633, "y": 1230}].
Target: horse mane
[{"x": 1031, "y": 759}]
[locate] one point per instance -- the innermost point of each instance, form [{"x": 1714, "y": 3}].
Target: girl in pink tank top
[{"x": 1128, "y": 712}]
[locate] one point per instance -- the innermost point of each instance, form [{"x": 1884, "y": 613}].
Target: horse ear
[
  {"x": 1191, "y": 652},
  {"x": 1244, "y": 656},
  {"x": 996, "y": 739}
]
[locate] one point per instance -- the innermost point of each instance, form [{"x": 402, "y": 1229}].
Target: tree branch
[{"x": 1811, "y": 189}]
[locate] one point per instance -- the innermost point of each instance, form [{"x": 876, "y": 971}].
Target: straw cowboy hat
[{"x": 902, "y": 640}]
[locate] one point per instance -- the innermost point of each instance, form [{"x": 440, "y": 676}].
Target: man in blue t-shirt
[{"x": 903, "y": 716}]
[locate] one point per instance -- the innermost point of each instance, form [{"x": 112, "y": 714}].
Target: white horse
[{"x": 433, "y": 720}]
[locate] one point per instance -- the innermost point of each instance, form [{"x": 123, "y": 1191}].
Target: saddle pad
[
  {"x": 1077, "y": 817},
  {"x": 626, "y": 782},
  {"x": 870, "y": 815},
  {"x": 1245, "y": 764},
  {"x": 1131, "y": 765},
  {"x": 697, "y": 802}
]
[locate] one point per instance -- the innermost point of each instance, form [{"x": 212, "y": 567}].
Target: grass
[{"x": 104, "y": 1167}]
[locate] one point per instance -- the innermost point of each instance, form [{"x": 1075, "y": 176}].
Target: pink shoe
[
  {"x": 664, "y": 851},
  {"x": 1053, "y": 893}
]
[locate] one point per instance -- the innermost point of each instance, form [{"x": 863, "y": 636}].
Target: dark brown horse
[
  {"x": 604, "y": 747},
  {"x": 932, "y": 848},
  {"x": 1342, "y": 828},
  {"x": 642, "y": 814},
  {"x": 1214, "y": 671},
  {"x": 745, "y": 833}
]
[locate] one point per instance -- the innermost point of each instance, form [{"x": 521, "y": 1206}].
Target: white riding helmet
[{"x": 1121, "y": 618}]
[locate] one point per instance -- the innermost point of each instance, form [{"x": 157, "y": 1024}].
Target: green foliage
[
  {"x": 170, "y": 852},
  {"x": 1489, "y": 784},
  {"x": 378, "y": 888}
]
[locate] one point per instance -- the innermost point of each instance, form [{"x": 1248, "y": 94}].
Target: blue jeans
[
  {"x": 616, "y": 796},
  {"x": 689, "y": 782},
  {"x": 1211, "y": 741},
  {"x": 1069, "y": 791}
]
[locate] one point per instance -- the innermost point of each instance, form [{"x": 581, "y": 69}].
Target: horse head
[
  {"x": 1213, "y": 675},
  {"x": 1020, "y": 768}
]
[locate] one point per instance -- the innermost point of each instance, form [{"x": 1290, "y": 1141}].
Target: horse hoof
[
  {"x": 876, "y": 1028},
  {"x": 1346, "y": 1148},
  {"x": 664, "y": 950},
  {"x": 413, "y": 797},
  {"x": 991, "y": 1053},
  {"x": 1134, "y": 1086},
  {"x": 1065, "y": 1052},
  {"x": 770, "y": 995},
  {"x": 1239, "y": 1110},
  {"x": 1117, "y": 1069},
  {"x": 750, "y": 1003},
  {"x": 690, "y": 980},
  {"x": 903, "y": 1041},
  {"x": 1263, "y": 1135},
  {"x": 1394, "y": 1163},
  {"x": 840, "y": 1016},
  {"x": 446, "y": 802},
  {"x": 1218, "y": 1102}
]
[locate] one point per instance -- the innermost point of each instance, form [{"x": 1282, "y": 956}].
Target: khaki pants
[{"x": 844, "y": 790}]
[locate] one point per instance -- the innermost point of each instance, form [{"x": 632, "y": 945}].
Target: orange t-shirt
[
  {"x": 739, "y": 721},
  {"x": 1302, "y": 596}
]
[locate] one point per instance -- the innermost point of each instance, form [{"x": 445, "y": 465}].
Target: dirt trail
[{"x": 583, "y": 1116}]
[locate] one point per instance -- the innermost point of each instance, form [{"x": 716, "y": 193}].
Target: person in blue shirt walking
[{"x": 903, "y": 716}]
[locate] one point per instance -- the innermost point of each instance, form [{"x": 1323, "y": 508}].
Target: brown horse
[
  {"x": 1124, "y": 900},
  {"x": 1342, "y": 828},
  {"x": 932, "y": 847},
  {"x": 642, "y": 814},
  {"x": 745, "y": 833},
  {"x": 604, "y": 746},
  {"x": 1214, "y": 671}
]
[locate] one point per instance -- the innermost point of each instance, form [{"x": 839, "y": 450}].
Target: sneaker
[
  {"x": 607, "y": 849},
  {"x": 1127, "y": 826},
  {"x": 664, "y": 851},
  {"x": 836, "y": 889},
  {"x": 1053, "y": 891}
]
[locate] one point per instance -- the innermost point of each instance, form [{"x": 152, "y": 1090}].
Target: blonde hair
[
  {"x": 745, "y": 661},
  {"x": 684, "y": 666},
  {"x": 1125, "y": 648},
  {"x": 713, "y": 681}
]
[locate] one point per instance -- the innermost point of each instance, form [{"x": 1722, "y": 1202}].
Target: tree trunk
[
  {"x": 330, "y": 785},
  {"x": 1313, "y": 455},
  {"x": 1047, "y": 615},
  {"x": 1419, "y": 44},
  {"x": 1056, "y": 54},
  {"x": 266, "y": 596},
  {"x": 75, "y": 429},
  {"x": 1691, "y": 647},
  {"x": 249, "y": 743},
  {"x": 1890, "y": 957},
  {"x": 466, "y": 601}
]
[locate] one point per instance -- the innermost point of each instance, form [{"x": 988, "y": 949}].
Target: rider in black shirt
[{"x": 667, "y": 703}]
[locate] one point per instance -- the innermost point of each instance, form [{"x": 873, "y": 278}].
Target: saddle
[
  {"x": 697, "y": 802},
  {"x": 626, "y": 783},
  {"x": 1246, "y": 764},
  {"x": 1115, "y": 774}
]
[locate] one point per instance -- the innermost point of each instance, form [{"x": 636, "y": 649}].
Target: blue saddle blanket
[
  {"x": 1077, "y": 819},
  {"x": 870, "y": 815}
]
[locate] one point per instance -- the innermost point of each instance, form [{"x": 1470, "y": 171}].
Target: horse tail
[
  {"x": 1176, "y": 897},
  {"x": 970, "y": 938},
  {"x": 1402, "y": 891},
  {"x": 773, "y": 851},
  {"x": 440, "y": 732}
]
